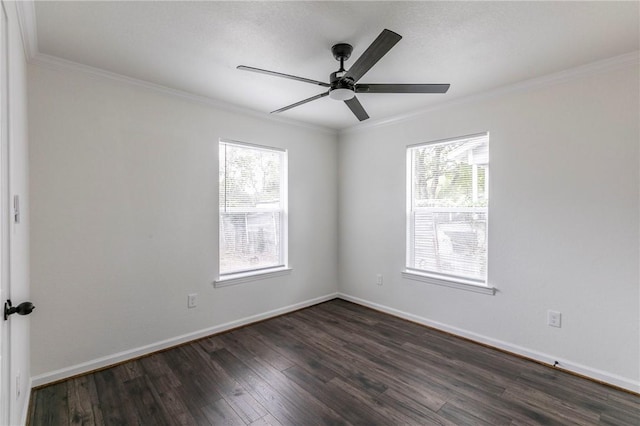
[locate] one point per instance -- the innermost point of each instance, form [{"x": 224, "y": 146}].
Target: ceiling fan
[{"x": 344, "y": 84}]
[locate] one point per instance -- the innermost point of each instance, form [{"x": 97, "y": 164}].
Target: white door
[{"x": 5, "y": 217}]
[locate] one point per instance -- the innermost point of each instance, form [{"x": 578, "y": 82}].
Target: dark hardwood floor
[{"x": 335, "y": 363}]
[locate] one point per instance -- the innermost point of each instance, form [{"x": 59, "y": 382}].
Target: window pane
[
  {"x": 249, "y": 178},
  {"x": 451, "y": 174},
  {"x": 249, "y": 241},
  {"x": 448, "y": 212},
  {"x": 450, "y": 242}
]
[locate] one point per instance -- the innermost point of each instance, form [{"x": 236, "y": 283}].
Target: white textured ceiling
[{"x": 196, "y": 46}]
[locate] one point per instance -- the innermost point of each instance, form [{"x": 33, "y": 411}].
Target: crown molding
[
  {"x": 27, "y": 20},
  {"x": 26, "y": 11},
  {"x": 56, "y": 63},
  {"x": 610, "y": 64}
]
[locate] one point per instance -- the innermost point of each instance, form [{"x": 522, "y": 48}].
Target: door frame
[{"x": 5, "y": 218}]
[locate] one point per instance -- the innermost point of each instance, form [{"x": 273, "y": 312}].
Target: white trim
[
  {"x": 25, "y": 406},
  {"x": 452, "y": 282},
  {"x": 594, "y": 68},
  {"x": 246, "y": 277},
  {"x": 26, "y": 11},
  {"x": 106, "y": 361},
  {"x": 55, "y": 63},
  {"x": 548, "y": 359},
  {"x": 464, "y": 138},
  {"x": 250, "y": 145}
]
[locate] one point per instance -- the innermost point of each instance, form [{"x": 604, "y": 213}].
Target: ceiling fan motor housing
[{"x": 337, "y": 82}]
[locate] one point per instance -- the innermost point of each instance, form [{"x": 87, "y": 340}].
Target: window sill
[
  {"x": 449, "y": 282},
  {"x": 251, "y": 276}
]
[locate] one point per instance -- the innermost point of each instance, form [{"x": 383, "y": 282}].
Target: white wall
[
  {"x": 19, "y": 234},
  {"x": 124, "y": 218},
  {"x": 564, "y": 222}
]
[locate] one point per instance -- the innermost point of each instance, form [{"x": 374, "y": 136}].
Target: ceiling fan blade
[
  {"x": 279, "y": 74},
  {"x": 402, "y": 88},
  {"x": 313, "y": 98},
  {"x": 380, "y": 46},
  {"x": 356, "y": 107}
]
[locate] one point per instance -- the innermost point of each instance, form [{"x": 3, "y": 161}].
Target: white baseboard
[
  {"x": 102, "y": 362},
  {"x": 116, "y": 358},
  {"x": 599, "y": 375}
]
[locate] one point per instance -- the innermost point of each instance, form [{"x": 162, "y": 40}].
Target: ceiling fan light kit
[
  {"x": 344, "y": 85},
  {"x": 341, "y": 94}
]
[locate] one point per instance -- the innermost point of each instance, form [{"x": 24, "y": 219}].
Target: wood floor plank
[
  {"x": 357, "y": 369},
  {"x": 326, "y": 356},
  {"x": 251, "y": 341},
  {"x": 621, "y": 408},
  {"x": 246, "y": 407},
  {"x": 145, "y": 401},
  {"x": 315, "y": 409},
  {"x": 335, "y": 363},
  {"x": 300, "y": 353},
  {"x": 264, "y": 392},
  {"x": 177, "y": 408},
  {"x": 134, "y": 369},
  {"x": 117, "y": 408},
  {"x": 485, "y": 412},
  {"x": 341, "y": 401},
  {"x": 156, "y": 366},
  {"x": 342, "y": 331},
  {"x": 192, "y": 404},
  {"x": 453, "y": 369},
  {"x": 212, "y": 343},
  {"x": 460, "y": 416},
  {"x": 415, "y": 407},
  {"x": 51, "y": 405},
  {"x": 221, "y": 413},
  {"x": 193, "y": 377},
  {"x": 383, "y": 407},
  {"x": 84, "y": 407},
  {"x": 267, "y": 420},
  {"x": 552, "y": 405},
  {"x": 557, "y": 385}
]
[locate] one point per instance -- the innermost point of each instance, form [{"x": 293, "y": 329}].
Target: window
[
  {"x": 447, "y": 209},
  {"x": 253, "y": 209}
]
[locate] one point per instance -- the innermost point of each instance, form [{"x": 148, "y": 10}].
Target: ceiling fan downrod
[{"x": 342, "y": 89}]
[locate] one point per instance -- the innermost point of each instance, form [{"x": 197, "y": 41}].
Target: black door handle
[{"x": 25, "y": 308}]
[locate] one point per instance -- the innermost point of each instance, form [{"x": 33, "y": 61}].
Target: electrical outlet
[
  {"x": 16, "y": 209},
  {"x": 554, "y": 319},
  {"x": 192, "y": 300},
  {"x": 379, "y": 279}
]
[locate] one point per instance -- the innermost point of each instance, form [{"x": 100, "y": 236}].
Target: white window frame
[
  {"x": 442, "y": 279},
  {"x": 283, "y": 268}
]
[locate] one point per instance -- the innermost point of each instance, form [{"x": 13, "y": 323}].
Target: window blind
[
  {"x": 448, "y": 195},
  {"x": 252, "y": 207}
]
